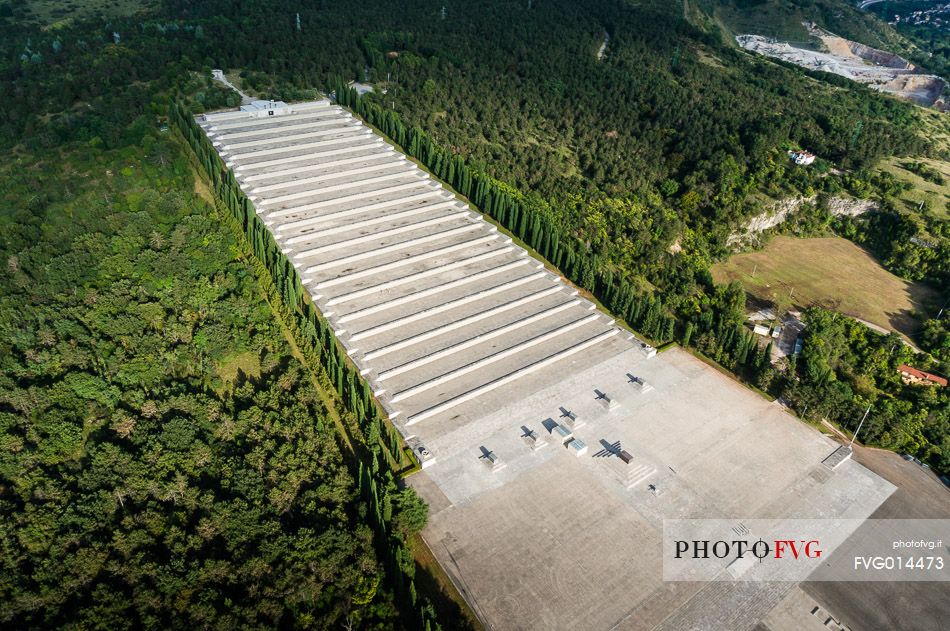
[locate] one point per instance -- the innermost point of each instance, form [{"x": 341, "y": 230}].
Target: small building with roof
[
  {"x": 263, "y": 108},
  {"x": 913, "y": 377},
  {"x": 802, "y": 158}
]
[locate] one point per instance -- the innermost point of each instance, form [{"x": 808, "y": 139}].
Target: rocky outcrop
[
  {"x": 779, "y": 212},
  {"x": 848, "y": 206}
]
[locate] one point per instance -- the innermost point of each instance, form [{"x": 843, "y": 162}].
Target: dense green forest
[
  {"x": 843, "y": 361},
  {"x": 165, "y": 459}
]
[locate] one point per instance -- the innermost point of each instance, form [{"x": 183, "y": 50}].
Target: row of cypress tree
[
  {"x": 647, "y": 313},
  {"x": 374, "y": 477},
  {"x": 521, "y": 217}
]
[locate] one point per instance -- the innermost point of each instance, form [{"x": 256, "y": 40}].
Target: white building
[
  {"x": 802, "y": 158},
  {"x": 266, "y": 108}
]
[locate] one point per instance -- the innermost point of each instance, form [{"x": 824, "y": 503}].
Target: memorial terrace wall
[{"x": 444, "y": 316}]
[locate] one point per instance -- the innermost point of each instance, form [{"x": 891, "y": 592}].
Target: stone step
[
  {"x": 346, "y": 137},
  {"x": 413, "y": 278},
  {"x": 375, "y": 156},
  {"x": 491, "y": 359},
  {"x": 391, "y": 163},
  {"x": 211, "y": 119},
  {"x": 508, "y": 378},
  {"x": 382, "y": 234},
  {"x": 636, "y": 474},
  {"x": 272, "y": 216},
  {"x": 289, "y": 141},
  {"x": 375, "y": 221},
  {"x": 454, "y": 304},
  {"x": 476, "y": 340},
  {"x": 409, "y": 260},
  {"x": 367, "y": 143},
  {"x": 361, "y": 184},
  {"x": 273, "y": 131},
  {"x": 314, "y": 114},
  {"x": 427, "y": 196}
]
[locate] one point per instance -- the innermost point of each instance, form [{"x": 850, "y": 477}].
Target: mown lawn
[{"x": 830, "y": 272}]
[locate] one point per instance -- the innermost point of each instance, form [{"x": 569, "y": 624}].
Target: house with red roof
[{"x": 913, "y": 377}]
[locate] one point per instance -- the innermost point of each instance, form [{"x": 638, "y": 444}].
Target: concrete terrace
[
  {"x": 491, "y": 363},
  {"x": 443, "y": 314}
]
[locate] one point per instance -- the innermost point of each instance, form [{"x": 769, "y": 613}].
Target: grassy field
[
  {"x": 937, "y": 195},
  {"x": 829, "y": 272}
]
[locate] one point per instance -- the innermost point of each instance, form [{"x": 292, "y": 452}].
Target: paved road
[
  {"x": 869, "y": 605},
  {"x": 218, "y": 75}
]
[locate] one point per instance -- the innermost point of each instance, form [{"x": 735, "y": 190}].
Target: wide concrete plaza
[{"x": 553, "y": 541}]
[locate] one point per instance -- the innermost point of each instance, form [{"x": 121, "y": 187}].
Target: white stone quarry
[{"x": 444, "y": 315}]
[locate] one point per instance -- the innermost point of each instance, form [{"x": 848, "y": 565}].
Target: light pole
[{"x": 866, "y": 412}]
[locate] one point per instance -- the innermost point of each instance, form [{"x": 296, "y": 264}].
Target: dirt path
[{"x": 603, "y": 47}]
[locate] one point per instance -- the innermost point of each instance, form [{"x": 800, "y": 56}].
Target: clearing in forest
[
  {"x": 830, "y": 272},
  {"x": 53, "y": 14},
  {"x": 930, "y": 185}
]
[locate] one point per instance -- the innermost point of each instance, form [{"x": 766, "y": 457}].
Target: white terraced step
[
  {"x": 215, "y": 119},
  {"x": 435, "y": 221},
  {"x": 224, "y": 116},
  {"x": 288, "y": 140},
  {"x": 207, "y": 119},
  {"x": 510, "y": 377},
  {"x": 447, "y": 306},
  {"x": 316, "y": 114},
  {"x": 351, "y": 133},
  {"x": 638, "y": 474},
  {"x": 421, "y": 305},
  {"x": 362, "y": 210},
  {"x": 275, "y": 132},
  {"x": 475, "y": 341},
  {"x": 334, "y": 188},
  {"x": 377, "y": 146},
  {"x": 270, "y": 175},
  {"x": 411, "y": 260},
  {"x": 283, "y": 122},
  {"x": 230, "y": 146},
  {"x": 356, "y": 225},
  {"x": 491, "y": 359},
  {"x": 275, "y": 214},
  {"x": 329, "y": 177},
  {"x": 413, "y": 278},
  {"x": 395, "y": 247}
]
